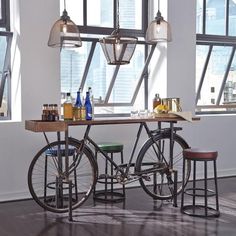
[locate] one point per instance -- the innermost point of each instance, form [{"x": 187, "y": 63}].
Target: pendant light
[
  {"x": 118, "y": 49},
  {"x": 64, "y": 33},
  {"x": 158, "y": 30}
]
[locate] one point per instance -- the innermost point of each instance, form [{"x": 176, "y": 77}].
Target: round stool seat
[
  {"x": 197, "y": 154},
  {"x": 111, "y": 147}
]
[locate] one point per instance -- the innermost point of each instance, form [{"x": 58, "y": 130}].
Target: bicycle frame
[{"x": 124, "y": 172}]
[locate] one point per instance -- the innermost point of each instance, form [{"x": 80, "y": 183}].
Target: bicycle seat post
[{"x": 135, "y": 146}]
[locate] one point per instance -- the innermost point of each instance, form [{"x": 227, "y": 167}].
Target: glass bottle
[
  {"x": 83, "y": 111},
  {"x": 91, "y": 100},
  {"x": 68, "y": 108},
  {"x": 78, "y": 106},
  {"x": 45, "y": 112},
  {"x": 55, "y": 112},
  {"x": 88, "y": 107},
  {"x": 50, "y": 112},
  {"x": 156, "y": 101}
]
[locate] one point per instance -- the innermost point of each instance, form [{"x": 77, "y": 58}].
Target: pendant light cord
[
  {"x": 117, "y": 15},
  {"x": 64, "y": 4}
]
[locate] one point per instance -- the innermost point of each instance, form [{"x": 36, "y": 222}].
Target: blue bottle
[
  {"x": 78, "y": 107},
  {"x": 88, "y": 107},
  {"x": 78, "y": 102}
]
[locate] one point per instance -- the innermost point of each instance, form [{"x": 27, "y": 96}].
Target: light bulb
[
  {"x": 64, "y": 28},
  {"x": 118, "y": 46},
  {"x": 158, "y": 27}
]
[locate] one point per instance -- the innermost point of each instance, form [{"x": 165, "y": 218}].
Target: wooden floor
[{"x": 139, "y": 215}]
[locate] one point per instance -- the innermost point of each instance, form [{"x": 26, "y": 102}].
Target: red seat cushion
[{"x": 198, "y": 154}]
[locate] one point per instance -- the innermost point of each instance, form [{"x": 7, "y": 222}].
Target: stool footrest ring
[
  {"x": 210, "y": 193},
  {"x": 199, "y": 211},
  {"x": 104, "y": 197}
]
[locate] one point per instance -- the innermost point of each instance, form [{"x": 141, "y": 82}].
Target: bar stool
[
  {"x": 109, "y": 194},
  {"x": 51, "y": 153},
  {"x": 197, "y": 208}
]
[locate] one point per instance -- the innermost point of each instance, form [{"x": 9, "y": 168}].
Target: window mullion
[
  {"x": 85, "y": 9},
  {"x": 6, "y": 67},
  {"x": 88, "y": 63},
  {"x": 144, "y": 71},
  {"x": 204, "y": 18},
  {"x": 225, "y": 76},
  {"x": 203, "y": 74},
  {"x": 145, "y": 6},
  {"x": 112, "y": 83},
  {"x": 114, "y": 13},
  {"x": 227, "y": 18}
]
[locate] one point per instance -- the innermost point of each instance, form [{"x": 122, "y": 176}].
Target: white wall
[
  {"x": 36, "y": 71},
  {"x": 39, "y": 83}
]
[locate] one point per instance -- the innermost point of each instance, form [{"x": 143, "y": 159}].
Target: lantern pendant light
[
  {"x": 64, "y": 33},
  {"x": 118, "y": 49},
  {"x": 158, "y": 30}
]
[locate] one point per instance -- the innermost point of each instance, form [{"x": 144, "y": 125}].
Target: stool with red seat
[{"x": 197, "y": 207}]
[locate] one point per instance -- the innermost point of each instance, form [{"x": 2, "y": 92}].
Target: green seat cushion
[{"x": 111, "y": 147}]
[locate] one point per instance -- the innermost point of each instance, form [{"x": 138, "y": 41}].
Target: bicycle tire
[
  {"x": 155, "y": 182},
  {"x": 44, "y": 171}
]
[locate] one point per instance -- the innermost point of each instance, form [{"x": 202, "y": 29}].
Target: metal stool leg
[
  {"x": 45, "y": 177},
  {"x": 106, "y": 178},
  {"x": 122, "y": 162},
  {"x": 183, "y": 187},
  {"x": 70, "y": 201},
  {"x": 94, "y": 189},
  {"x": 175, "y": 188},
  {"x": 205, "y": 186},
  {"x": 112, "y": 180},
  {"x": 216, "y": 186},
  {"x": 75, "y": 179},
  {"x": 194, "y": 186}
]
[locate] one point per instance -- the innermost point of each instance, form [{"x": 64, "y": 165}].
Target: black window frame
[
  {"x": 211, "y": 41},
  {"x": 6, "y": 73},
  {"x": 5, "y": 19},
  {"x": 148, "y": 52}
]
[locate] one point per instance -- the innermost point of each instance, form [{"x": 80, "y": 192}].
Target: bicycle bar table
[{"x": 63, "y": 126}]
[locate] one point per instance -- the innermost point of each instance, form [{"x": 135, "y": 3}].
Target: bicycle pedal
[
  {"x": 146, "y": 177},
  {"x": 104, "y": 176}
]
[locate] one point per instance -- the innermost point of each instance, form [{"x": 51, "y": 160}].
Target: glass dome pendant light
[
  {"x": 64, "y": 33},
  {"x": 158, "y": 30},
  {"x": 118, "y": 49}
]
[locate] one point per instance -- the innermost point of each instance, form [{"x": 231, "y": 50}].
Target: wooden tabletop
[{"x": 54, "y": 126}]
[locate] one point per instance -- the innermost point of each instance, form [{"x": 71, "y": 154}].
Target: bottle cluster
[
  {"x": 50, "y": 112},
  {"x": 80, "y": 110}
]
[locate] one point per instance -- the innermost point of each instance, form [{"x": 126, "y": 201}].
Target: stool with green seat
[{"x": 109, "y": 193}]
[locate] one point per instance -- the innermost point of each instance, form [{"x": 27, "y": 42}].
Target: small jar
[{"x": 45, "y": 112}]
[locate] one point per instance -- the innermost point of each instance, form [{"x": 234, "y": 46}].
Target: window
[
  {"x": 116, "y": 89},
  {"x": 5, "y": 45},
  {"x": 215, "y": 56}
]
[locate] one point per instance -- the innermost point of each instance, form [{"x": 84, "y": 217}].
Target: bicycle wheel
[
  {"x": 156, "y": 175},
  {"x": 47, "y": 182}
]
